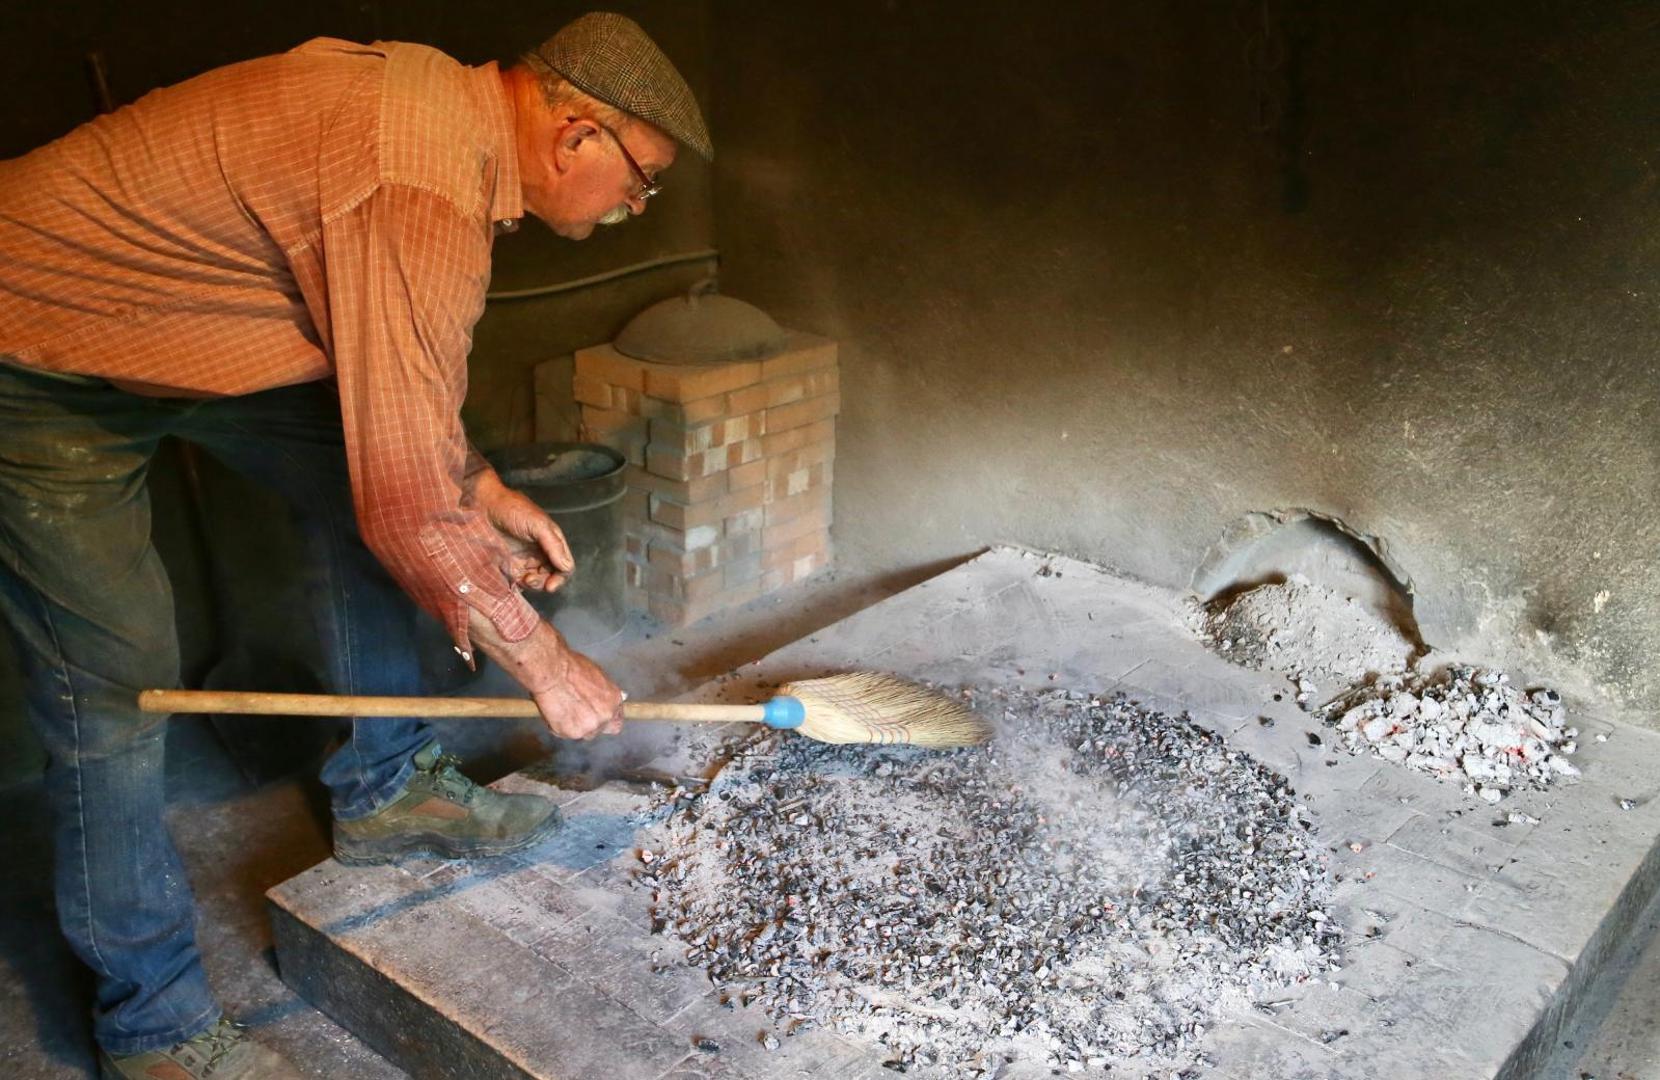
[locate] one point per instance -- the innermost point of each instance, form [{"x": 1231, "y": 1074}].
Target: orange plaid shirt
[{"x": 325, "y": 213}]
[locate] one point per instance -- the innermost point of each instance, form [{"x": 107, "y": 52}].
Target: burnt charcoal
[{"x": 1088, "y": 892}]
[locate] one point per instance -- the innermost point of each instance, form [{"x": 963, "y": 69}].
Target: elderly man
[{"x": 282, "y": 261}]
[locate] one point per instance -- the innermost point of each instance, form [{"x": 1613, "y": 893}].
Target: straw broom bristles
[{"x": 872, "y": 707}]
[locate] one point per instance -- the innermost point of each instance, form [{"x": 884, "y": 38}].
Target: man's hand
[
  {"x": 539, "y": 559},
  {"x": 577, "y": 700},
  {"x": 585, "y": 704}
]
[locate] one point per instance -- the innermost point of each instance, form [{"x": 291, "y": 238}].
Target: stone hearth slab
[{"x": 543, "y": 965}]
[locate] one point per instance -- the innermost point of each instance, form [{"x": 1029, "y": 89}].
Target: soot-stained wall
[{"x": 1109, "y": 278}]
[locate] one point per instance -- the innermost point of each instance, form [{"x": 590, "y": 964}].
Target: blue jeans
[{"x": 91, "y": 609}]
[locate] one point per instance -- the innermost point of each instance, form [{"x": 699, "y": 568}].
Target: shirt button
[
  {"x": 507, "y": 225},
  {"x": 464, "y": 588},
  {"x": 463, "y": 653}
]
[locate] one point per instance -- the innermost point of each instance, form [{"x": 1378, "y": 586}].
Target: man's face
[{"x": 573, "y": 172}]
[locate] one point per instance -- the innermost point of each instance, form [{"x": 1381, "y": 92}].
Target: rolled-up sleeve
[{"x": 407, "y": 272}]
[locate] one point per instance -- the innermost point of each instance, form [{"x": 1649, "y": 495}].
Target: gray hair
[{"x": 562, "y": 96}]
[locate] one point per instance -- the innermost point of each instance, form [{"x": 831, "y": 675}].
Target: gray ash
[
  {"x": 1466, "y": 724},
  {"x": 1096, "y": 886}
]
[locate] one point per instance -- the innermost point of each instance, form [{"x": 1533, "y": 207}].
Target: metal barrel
[{"x": 581, "y": 486}]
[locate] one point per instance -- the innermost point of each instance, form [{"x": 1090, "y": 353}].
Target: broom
[{"x": 859, "y": 707}]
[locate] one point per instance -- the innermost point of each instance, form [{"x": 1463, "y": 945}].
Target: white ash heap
[
  {"x": 1307, "y": 631},
  {"x": 1094, "y": 888},
  {"x": 1465, "y": 723}
]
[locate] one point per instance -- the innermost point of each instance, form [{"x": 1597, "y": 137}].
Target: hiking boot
[
  {"x": 444, "y": 814},
  {"x": 224, "y": 1051}
]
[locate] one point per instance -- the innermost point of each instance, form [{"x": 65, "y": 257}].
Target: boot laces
[
  {"x": 217, "y": 1042},
  {"x": 448, "y": 779}
]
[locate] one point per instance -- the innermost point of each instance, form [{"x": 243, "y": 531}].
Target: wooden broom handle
[{"x": 254, "y": 703}]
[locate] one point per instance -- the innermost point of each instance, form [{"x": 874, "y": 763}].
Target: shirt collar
[{"x": 507, "y": 203}]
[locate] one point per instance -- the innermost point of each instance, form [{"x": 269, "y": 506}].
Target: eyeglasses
[{"x": 648, "y": 186}]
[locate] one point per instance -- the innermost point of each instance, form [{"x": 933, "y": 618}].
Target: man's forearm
[
  {"x": 576, "y": 699},
  {"x": 538, "y": 662}
]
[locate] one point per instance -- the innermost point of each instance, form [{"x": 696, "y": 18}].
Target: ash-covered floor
[
  {"x": 1095, "y": 888},
  {"x": 1423, "y": 845}
]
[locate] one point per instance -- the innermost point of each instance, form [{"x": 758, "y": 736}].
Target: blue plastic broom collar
[{"x": 785, "y": 712}]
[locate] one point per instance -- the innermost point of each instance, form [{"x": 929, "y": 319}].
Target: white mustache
[{"x": 616, "y": 216}]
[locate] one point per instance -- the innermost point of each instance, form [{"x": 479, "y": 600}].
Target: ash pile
[
  {"x": 1090, "y": 891},
  {"x": 1466, "y": 724},
  {"x": 1306, "y": 631}
]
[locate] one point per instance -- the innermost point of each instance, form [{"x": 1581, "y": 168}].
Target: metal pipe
[
  {"x": 100, "y": 81},
  {"x": 601, "y": 278}
]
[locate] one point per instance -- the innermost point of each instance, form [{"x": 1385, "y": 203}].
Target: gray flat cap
[{"x": 609, "y": 57}]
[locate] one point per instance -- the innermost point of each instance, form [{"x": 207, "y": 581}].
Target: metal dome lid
[{"x": 701, "y": 327}]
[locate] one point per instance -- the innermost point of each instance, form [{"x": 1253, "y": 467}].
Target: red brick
[
  {"x": 676, "y": 466},
  {"x": 782, "y": 442},
  {"x": 678, "y": 516},
  {"x": 685, "y": 492},
  {"x": 685, "y": 413},
  {"x": 665, "y": 582},
  {"x": 679, "y": 540},
  {"x": 691, "y": 440},
  {"x": 801, "y": 413},
  {"x": 737, "y": 502},
  {"x": 667, "y": 462},
  {"x": 800, "y": 458},
  {"x": 589, "y": 390},
  {"x": 686, "y": 564},
  {"x": 806, "y": 352},
  {"x": 661, "y": 582},
  {"x": 748, "y": 398},
  {"x": 740, "y": 545},
  {"x": 682, "y": 516},
  {"x": 800, "y": 482},
  {"x": 747, "y": 475},
  {"x": 808, "y": 565},
  {"x": 623, "y": 433},
  {"x": 813, "y": 543},
  {"x": 636, "y": 506},
  {"x": 693, "y": 382},
  {"x": 742, "y": 453},
  {"x": 709, "y": 511},
  {"x": 674, "y": 612},
  {"x": 742, "y": 570},
  {"x": 783, "y": 390},
  {"x": 742, "y": 593},
  {"x": 708, "y": 586},
  {"x": 782, "y": 510},
  {"x": 782, "y": 571},
  {"x": 775, "y": 536},
  {"x": 794, "y": 388},
  {"x": 749, "y": 521},
  {"x": 683, "y": 440},
  {"x": 604, "y": 362},
  {"x": 605, "y": 421}
]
